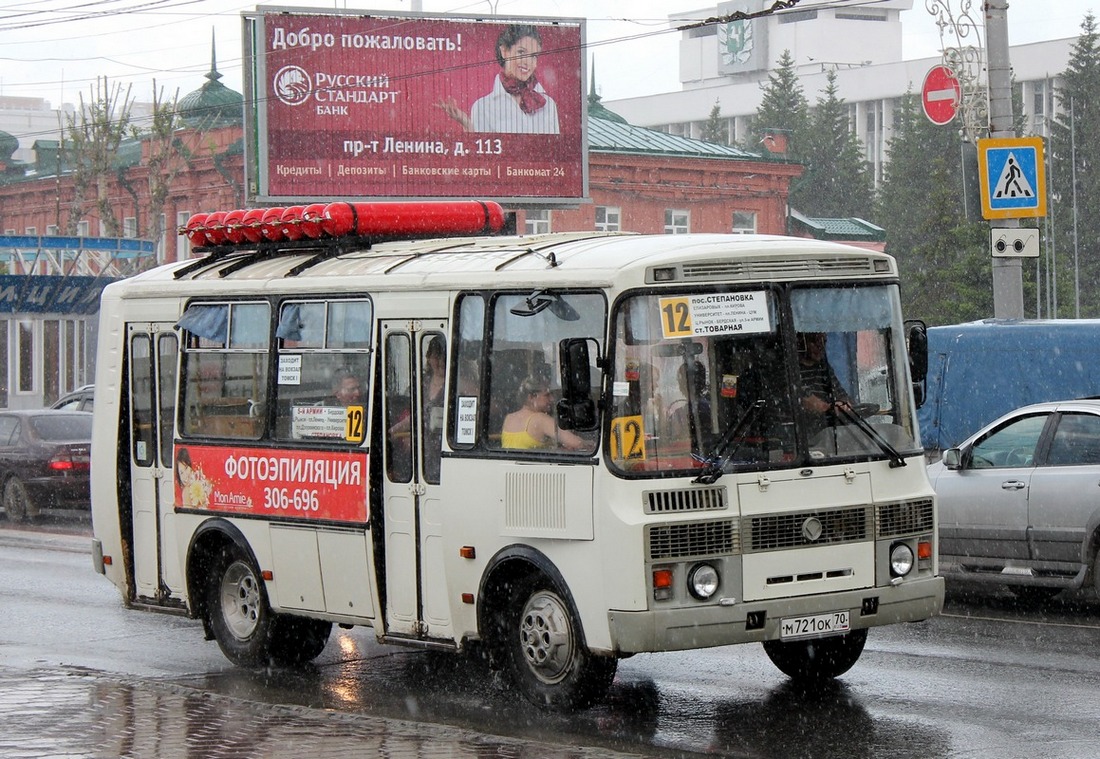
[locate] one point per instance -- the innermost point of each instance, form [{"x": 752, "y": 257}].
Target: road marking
[{"x": 1021, "y": 621}]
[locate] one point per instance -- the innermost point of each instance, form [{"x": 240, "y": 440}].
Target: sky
[{"x": 55, "y": 49}]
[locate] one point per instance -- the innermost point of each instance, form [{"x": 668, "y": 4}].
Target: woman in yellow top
[{"x": 531, "y": 426}]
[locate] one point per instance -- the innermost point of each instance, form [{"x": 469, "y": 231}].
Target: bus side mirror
[
  {"x": 916, "y": 338},
  {"x": 576, "y": 409}
]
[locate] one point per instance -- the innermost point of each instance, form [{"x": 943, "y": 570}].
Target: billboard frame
[{"x": 256, "y": 73}]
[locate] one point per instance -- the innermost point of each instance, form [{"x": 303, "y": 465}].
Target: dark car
[
  {"x": 44, "y": 461},
  {"x": 1019, "y": 501},
  {"x": 80, "y": 399}
]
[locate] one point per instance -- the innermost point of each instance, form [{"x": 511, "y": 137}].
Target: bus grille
[
  {"x": 675, "y": 501},
  {"x": 768, "y": 269},
  {"x": 681, "y": 541},
  {"x": 906, "y": 518},
  {"x": 777, "y": 532}
]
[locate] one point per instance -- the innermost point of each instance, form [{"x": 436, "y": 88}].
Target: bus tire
[
  {"x": 818, "y": 658},
  {"x": 239, "y": 614},
  {"x": 297, "y": 640},
  {"x": 546, "y": 654},
  {"x": 18, "y": 504}
]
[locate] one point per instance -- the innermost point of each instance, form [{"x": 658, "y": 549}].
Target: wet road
[{"x": 81, "y": 676}]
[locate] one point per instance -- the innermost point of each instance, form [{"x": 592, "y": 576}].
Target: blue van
[{"x": 980, "y": 370}]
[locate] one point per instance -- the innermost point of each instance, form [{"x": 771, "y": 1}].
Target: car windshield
[
  {"x": 57, "y": 427},
  {"x": 721, "y": 380}
]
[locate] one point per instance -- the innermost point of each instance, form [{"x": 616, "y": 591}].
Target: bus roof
[{"x": 558, "y": 258}]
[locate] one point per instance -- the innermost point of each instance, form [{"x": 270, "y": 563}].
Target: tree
[
  {"x": 167, "y": 156},
  {"x": 783, "y": 107},
  {"x": 837, "y": 182},
  {"x": 94, "y": 133},
  {"x": 1075, "y": 171},
  {"x": 943, "y": 258},
  {"x": 716, "y": 129}
]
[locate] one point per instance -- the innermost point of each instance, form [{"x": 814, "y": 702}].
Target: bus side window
[
  {"x": 225, "y": 369},
  {"x": 323, "y": 352}
]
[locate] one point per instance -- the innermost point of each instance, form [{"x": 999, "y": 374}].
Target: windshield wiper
[
  {"x": 716, "y": 461},
  {"x": 895, "y": 458}
]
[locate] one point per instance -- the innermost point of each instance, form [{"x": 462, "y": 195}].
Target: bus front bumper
[{"x": 713, "y": 625}]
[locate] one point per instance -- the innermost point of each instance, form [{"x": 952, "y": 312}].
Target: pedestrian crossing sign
[{"x": 1012, "y": 178}]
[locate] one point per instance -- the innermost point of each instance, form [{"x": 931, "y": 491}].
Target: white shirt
[{"x": 499, "y": 112}]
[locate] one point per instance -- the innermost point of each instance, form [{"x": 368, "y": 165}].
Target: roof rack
[{"x": 332, "y": 229}]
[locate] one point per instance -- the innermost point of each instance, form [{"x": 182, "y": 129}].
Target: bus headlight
[
  {"x": 703, "y": 581},
  {"x": 901, "y": 559}
]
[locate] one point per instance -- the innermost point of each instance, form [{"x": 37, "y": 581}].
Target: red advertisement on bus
[
  {"x": 313, "y": 485},
  {"x": 420, "y": 107}
]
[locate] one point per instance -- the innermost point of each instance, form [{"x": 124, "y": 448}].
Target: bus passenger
[
  {"x": 531, "y": 426},
  {"x": 346, "y": 390}
]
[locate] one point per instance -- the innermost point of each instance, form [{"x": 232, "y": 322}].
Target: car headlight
[
  {"x": 901, "y": 559},
  {"x": 703, "y": 581}
]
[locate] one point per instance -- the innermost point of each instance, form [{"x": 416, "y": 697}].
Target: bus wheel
[
  {"x": 547, "y": 657},
  {"x": 18, "y": 504},
  {"x": 240, "y": 616},
  {"x": 297, "y": 640},
  {"x": 818, "y": 658}
]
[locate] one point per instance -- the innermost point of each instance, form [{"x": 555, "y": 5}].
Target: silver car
[{"x": 1019, "y": 501}]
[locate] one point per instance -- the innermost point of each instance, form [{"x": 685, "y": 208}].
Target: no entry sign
[{"x": 940, "y": 95}]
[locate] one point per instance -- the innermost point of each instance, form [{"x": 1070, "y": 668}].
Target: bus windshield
[{"x": 760, "y": 378}]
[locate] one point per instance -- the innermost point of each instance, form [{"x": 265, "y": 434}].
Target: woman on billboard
[{"x": 517, "y": 104}]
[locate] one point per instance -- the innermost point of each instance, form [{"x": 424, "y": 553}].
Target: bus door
[
  {"x": 152, "y": 351},
  {"x": 414, "y": 356}
]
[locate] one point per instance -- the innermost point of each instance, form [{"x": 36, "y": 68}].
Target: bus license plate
[{"x": 819, "y": 624}]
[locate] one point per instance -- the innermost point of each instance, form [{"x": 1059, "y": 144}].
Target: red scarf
[{"x": 530, "y": 100}]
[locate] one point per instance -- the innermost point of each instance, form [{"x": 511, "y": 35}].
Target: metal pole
[
  {"x": 1008, "y": 279},
  {"x": 1073, "y": 179}
]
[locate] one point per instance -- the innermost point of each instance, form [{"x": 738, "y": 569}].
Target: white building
[
  {"x": 31, "y": 119},
  {"x": 729, "y": 64}
]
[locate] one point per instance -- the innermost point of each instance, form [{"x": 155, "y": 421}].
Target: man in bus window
[
  {"x": 822, "y": 393},
  {"x": 346, "y": 390}
]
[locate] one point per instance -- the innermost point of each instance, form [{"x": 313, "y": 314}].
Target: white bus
[{"x": 566, "y": 448}]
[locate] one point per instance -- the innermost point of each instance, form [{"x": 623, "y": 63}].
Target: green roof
[
  {"x": 607, "y": 136},
  {"x": 839, "y": 229},
  {"x": 213, "y": 104}
]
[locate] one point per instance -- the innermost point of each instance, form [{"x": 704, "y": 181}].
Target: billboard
[{"x": 351, "y": 104}]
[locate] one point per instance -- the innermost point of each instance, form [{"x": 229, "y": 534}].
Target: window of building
[
  {"x": 795, "y": 16},
  {"x": 608, "y": 218},
  {"x": 162, "y": 238},
  {"x": 1038, "y": 99},
  {"x": 73, "y": 354},
  {"x": 183, "y": 245},
  {"x": 866, "y": 15},
  {"x": 25, "y": 355},
  {"x": 31, "y": 231},
  {"x": 677, "y": 222},
  {"x": 52, "y": 230},
  {"x": 51, "y": 360},
  {"x": 83, "y": 228},
  {"x": 537, "y": 222},
  {"x": 744, "y": 222},
  {"x": 129, "y": 227}
]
